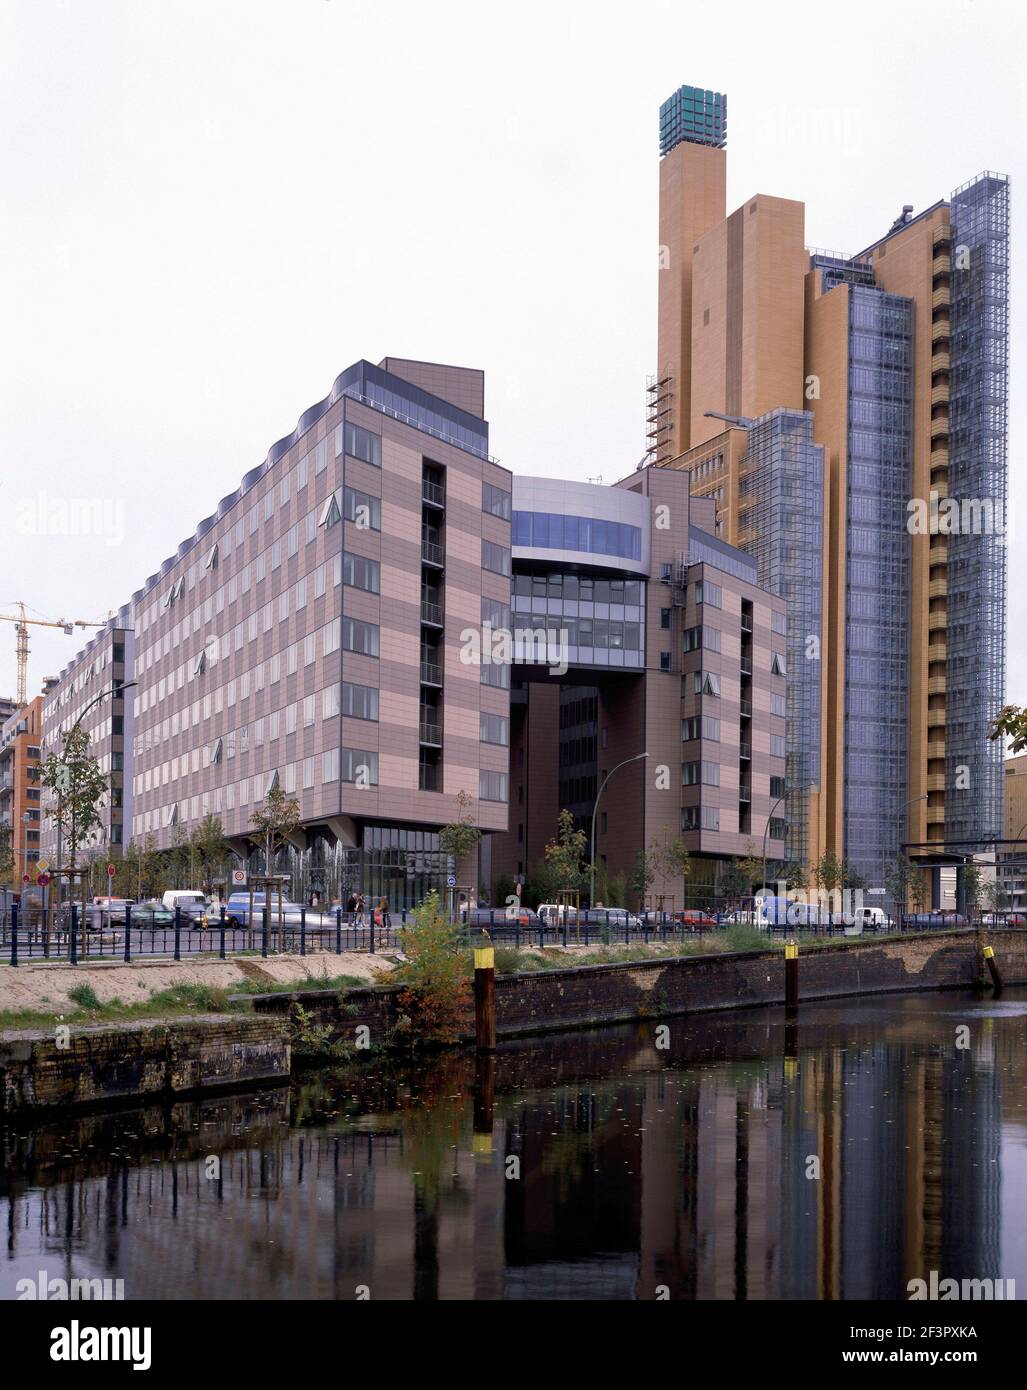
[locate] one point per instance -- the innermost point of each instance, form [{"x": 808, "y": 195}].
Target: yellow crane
[{"x": 21, "y": 629}]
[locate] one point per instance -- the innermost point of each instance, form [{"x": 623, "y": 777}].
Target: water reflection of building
[{"x": 639, "y": 1170}]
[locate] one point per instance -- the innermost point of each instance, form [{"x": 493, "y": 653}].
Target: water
[{"x": 688, "y": 1172}]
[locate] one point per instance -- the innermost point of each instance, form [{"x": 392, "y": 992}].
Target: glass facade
[
  {"x": 978, "y": 473},
  {"x": 408, "y": 403},
  {"x": 877, "y": 552},
  {"x": 782, "y": 503},
  {"x": 696, "y": 115},
  {"x": 601, "y": 621},
  {"x": 591, "y": 535}
]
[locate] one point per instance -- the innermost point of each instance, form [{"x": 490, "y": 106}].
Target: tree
[
  {"x": 210, "y": 850},
  {"x": 273, "y": 822},
  {"x": 79, "y": 788},
  {"x": 972, "y": 885},
  {"x": 734, "y": 882},
  {"x": 918, "y": 892},
  {"x": 460, "y": 838},
  {"x": 6, "y": 853},
  {"x": 898, "y": 877},
  {"x": 830, "y": 872},
  {"x": 1011, "y": 723},
  {"x": 995, "y": 895},
  {"x": 565, "y": 855}
]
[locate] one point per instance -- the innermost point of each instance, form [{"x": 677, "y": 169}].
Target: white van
[
  {"x": 555, "y": 914},
  {"x": 190, "y": 897}
]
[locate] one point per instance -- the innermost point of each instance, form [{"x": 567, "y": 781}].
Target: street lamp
[
  {"x": 592, "y": 861},
  {"x": 766, "y": 828},
  {"x": 117, "y": 688}
]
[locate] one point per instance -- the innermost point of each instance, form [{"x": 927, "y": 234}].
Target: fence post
[
  {"x": 338, "y": 931},
  {"x": 14, "y": 933},
  {"x": 627, "y": 928},
  {"x": 178, "y": 931},
  {"x": 221, "y": 933},
  {"x": 303, "y": 931},
  {"x": 264, "y": 926},
  {"x": 73, "y": 945},
  {"x": 128, "y": 932},
  {"x": 370, "y": 930}
]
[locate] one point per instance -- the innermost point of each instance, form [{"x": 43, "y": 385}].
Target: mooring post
[
  {"x": 485, "y": 997},
  {"x": 14, "y": 933},
  {"x": 484, "y": 1103},
  {"x": 989, "y": 960},
  {"x": 791, "y": 976}
]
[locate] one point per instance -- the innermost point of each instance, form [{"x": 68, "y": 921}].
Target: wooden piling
[
  {"x": 989, "y": 960},
  {"x": 791, "y": 976},
  {"x": 485, "y": 998}
]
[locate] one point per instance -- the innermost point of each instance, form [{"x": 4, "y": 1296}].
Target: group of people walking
[{"x": 357, "y": 911}]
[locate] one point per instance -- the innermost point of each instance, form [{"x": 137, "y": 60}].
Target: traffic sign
[
  {"x": 451, "y": 881},
  {"x": 42, "y": 865},
  {"x": 111, "y": 870},
  {"x": 239, "y": 878},
  {"x": 43, "y": 880},
  {"x": 25, "y": 878}
]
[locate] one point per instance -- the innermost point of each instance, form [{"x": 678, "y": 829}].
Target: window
[
  {"x": 778, "y": 746},
  {"x": 308, "y": 719},
  {"x": 779, "y": 623},
  {"x": 708, "y": 593},
  {"x": 664, "y": 661},
  {"x": 709, "y": 818},
  {"x": 359, "y": 701},
  {"x": 330, "y": 638},
  {"x": 690, "y": 773},
  {"x": 665, "y": 614},
  {"x": 711, "y": 639},
  {"x": 705, "y": 683},
  {"x": 711, "y": 729},
  {"x": 778, "y": 705},
  {"x": 492, "y": 786},
  {"x": 777, "y": 787},
  {"x": 360, "y": 637},
  {"x": 362, "y": 509},
  {"x": 495, "y": 501},
  {"x": 495, "y": 558},
  {"x": 690, "y": 729},
  {"x": 777, "y": 665},
  {"x": 358, "y": 766},
  {"x": 692, "y": 639},
  {"x": 362, "y": 444},
  {"x": 330, "y": 765},
  {"x": 360, "y": 573},
  {"x": 331, "y": 512},
  {"x": 494, "y": 728},
  {"x": 711, "y": 774}
]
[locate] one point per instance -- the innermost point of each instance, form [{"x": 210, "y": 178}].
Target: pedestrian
[
  {"x": 351, "y": 907},
  {"x": 359, "y": 921},
  {"x": 383, "y": 908}
]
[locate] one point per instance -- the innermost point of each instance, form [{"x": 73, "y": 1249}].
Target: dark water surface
[{"x": 863, "y": 1150}]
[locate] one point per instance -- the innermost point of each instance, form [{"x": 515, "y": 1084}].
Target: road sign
[
  {"x": 42, "y": 865},
  {"x": 43, "y": 880},
  {"x": 111, "y": 870},
  {"x": 451, "y": 882},
  {"x": 25, "y": 878},
  {"x": 239, "y": 878}
]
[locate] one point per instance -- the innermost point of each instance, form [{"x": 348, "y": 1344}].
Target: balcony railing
[
  {"x": 431, "y": 553},
  {"x": 746, "y": 623},
  {"x": 745, "y": 750},
  {"x": 746, "y": 667},
  {"x": 433, "y": 493},
  {"x": 431, "y": 673},
  {"x": 746, "y": 707},
  {"x": 431, "y": 612},
  {"x": 745, "y": 794},
  {"x": 431, "y": 734}
]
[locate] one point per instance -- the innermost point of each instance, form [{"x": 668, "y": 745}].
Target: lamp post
[
  {"x": 592, "y": 859},
  {"x": 117, "y": 688},
  {"x": 766, "y": 828}
]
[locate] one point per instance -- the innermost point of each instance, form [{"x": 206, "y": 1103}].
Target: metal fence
[{"x": 78, "y": 935}]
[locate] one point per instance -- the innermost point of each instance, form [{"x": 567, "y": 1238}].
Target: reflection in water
[{"x": 837, "y": 1160}]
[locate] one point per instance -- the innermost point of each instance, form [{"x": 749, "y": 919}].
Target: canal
[{"x": 723, "y": 1157}]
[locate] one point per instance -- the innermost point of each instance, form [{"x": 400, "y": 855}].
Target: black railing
[
  {"x": 431, "y": 612},
  {"x": 431, "y": 674},
  {"x": 431, "y": 552},
  {"x": 433, "y": 493}
]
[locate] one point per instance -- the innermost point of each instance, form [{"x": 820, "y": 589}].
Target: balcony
[
  {"x": 937, "y": 622},
  {"x": 431, "y": 672},
  {"x": 936, "y": 719},
  {"x": 432, "y": 553},
  {"x": 746, "y": 709},
  {"x": 938, "y": 588},
  {"x": 745, "y": 794},
  {"x": 936, "y": 651},
  {"x": 942, "y": 234},
  {"x": 746, "y": 623},
  {"x": 936, "y": 685},
  {"x": 431, "y": 734},
  {"x": 940, "y": 394},
  {"x": 433, "y": 494},
  {"x": 941, "y": 298},
  {"x": 935, "y": 750},
  {"x": 745, "y": 751},
  {"x": 942, "y": 263},
  {"x": 745, "y": 667},
  {"x": 431, "y": 612},
  {"x": 936, "y": 782},
  {"x": 940, "y": 361},
  {"x": 936, "y": 815}
]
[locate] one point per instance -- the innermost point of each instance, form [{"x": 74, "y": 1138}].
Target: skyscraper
[{"x": 886, "y": 372}]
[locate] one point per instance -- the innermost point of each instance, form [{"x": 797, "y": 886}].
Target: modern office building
[
  {"x": 1012, "y": 863},
  {"x": 886, "y": 372},
  {"x": 308, "y": 636},
  {"x": 20, "y": 811},
  {"x": 662, "y": 644}
]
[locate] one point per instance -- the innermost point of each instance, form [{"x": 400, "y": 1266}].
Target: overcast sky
[{"x": 209, "y": 208}]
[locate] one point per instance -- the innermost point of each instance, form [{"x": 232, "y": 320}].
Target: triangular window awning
[
  {"x": 215, "y": 752},
  {"x": 212, "y": 558},
  {"x": 331, "y": 512},
  {"x": 272, "y": 783}
]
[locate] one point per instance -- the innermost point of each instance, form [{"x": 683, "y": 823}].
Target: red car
[{"x": 693, "y": 919}]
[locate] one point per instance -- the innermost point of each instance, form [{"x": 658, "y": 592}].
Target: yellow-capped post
[
  {"x": 989, "y": 960},
  {"x": 791, "y": 976},
  {"x": 485, "y": 995}
]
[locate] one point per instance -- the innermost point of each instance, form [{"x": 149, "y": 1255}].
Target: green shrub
[
  {"x": 85, "y": 997},
  {"x": 436, "y": 976}
]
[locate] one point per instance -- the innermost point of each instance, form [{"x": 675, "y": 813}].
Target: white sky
[{"x": 209, "y": 208}]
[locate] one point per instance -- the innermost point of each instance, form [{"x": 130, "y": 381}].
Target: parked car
[
  {"x": 148, "y": 915},
  {"x": 112, "y": 910},
  {"x": 695, "y": 919},
  {"x": 185, "y": 898},
  {"x": 617, "y": 919},
  {"x": 237, "y": 912},
  {"x": 554, "y": 914}
]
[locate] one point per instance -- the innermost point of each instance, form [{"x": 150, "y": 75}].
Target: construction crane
[{"x": 21, "y": 629}]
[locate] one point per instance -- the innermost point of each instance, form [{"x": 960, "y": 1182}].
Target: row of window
[
  {"x": 555, "y": 531},
  {"x": 578, "y": 588}
]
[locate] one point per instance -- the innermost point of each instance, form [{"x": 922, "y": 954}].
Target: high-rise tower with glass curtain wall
[{"x": 847, "y": 414}]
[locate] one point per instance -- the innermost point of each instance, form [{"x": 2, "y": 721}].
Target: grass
[{"x": 312, "y": 982}]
